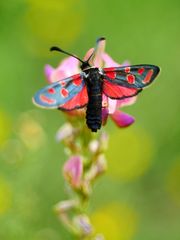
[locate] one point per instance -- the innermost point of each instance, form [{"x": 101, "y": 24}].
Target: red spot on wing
[
  {"x": 117, "y": 91},
  {"x": 140, "y": 70},
  {"x": 64, "y": 92},
  {"x": 127, "y": 69},
  {"x": 79, "y": 100},
  {"x": 47, "y": 100},
  {"x": 147, "y": 79},
  {"x": 51, "y": 90},
  {"x": 77, "y": 80},
  {"x": 110, "y": 73},
  {"x": 62, "y": 83},
  {"x": 130, "y": 78}
]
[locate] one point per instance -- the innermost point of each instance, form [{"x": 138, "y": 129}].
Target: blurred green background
[{"x": 139, "y": 198}]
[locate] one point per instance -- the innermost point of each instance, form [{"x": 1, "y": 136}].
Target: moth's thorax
[{"x": 92, "y": 76}]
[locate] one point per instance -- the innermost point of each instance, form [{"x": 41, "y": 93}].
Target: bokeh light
[
  {"x": 30, "y": 131},
  {"x": 116, "y": 221},
  {"x": 129, "y": 154},
  {"x": 52, "y": 22},
  {"x": 12, "y": 151},
  {"x": 173, "y": 182},
  {"x": 5, "y": 126},
  {"x": 5, "y": 196}
]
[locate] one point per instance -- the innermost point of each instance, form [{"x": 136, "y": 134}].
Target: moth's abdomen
[
  {"x": 94, "y": 106},
  {"x": 93, "y": 112}
]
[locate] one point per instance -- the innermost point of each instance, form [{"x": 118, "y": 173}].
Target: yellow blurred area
[
  {"x": 13, "y": 151},
  {"x": 5, "y": 196},
  {"x": 129, "y": 154},
  {"x": 116, "y": 221},
  {"x": 5, "y": 127},
  {"x": 26, "y": 204},
  {"x": 30, "y": 131},
  {"x": 173, "y": 182},
  {"x": 53, "y": 22}
]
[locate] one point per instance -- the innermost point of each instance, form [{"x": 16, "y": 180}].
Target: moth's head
[{"x": 85, "y": 65}]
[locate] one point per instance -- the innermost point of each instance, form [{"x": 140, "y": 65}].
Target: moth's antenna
[
  {"x": 54, "y": 48},
  {"x": 90, "y": 56}
]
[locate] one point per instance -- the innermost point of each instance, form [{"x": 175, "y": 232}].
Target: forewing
[
  {"x": 135, "y": 76},
  {"x": 65, "y": 94}
]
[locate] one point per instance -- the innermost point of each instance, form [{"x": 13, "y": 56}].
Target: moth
[{"x": 86, "y": 88}]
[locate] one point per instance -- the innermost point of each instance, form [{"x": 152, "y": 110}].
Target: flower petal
[
  {"x": 64, "y": 132},
  {"x": 69, "y": 66},
  {"x": 48, "y": 69},
  {"x": 103, "y": 141},
  {"x": 104, "y": 101},
  {"x": 96, "y": 59},
  {"x": 99, "y": 51},
  {"x": 122, "y": 119},
  {"x": 108, "y": 61},
  {"x": 88, "y": 54},
  {"x": 112, "y": 105},
  {"x": 126, "y": 101},
  {"x": 104, "y": 115},
  {"x": 65, "y": 206},
  {"x": 57, "y": 75},
  {"x": 94, "y": 146},
  {"x": 83, "y": 225},
  {"x": 125, "y": 63}
]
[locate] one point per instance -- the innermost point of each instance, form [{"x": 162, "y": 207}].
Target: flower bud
[
  {"x": 83, "y": 225},
  {"x": 103, "y": 141},
  {"x": 73, "y": 170},
  {"x": 99, "y": 237},
  {"x": 64, "y": 132},
  {"x": 97, "y": 168},
  {"x": 65, "y": 206},
  {"x": 94, "y": 146}
]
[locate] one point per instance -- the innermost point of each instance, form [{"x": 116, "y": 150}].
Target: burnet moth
[{"x": 86, "y": 88}]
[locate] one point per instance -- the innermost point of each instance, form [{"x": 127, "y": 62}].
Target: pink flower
[
  {"x": 112, "y": 109},
  {"x": 68, "y": 67},
  {"x": 73, "y": 170}
]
